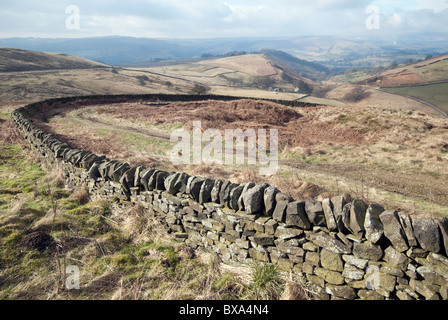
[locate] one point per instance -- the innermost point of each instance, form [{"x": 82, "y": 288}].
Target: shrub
[
  {"x": 357, "y": 94},
  {"x": 199, "y": 89},
  {"x": 80, "y": 196}
]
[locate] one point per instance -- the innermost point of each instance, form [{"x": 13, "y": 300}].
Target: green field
[
  {"x": 435, "y": 93},
  {"x": 433, "y": 72}
]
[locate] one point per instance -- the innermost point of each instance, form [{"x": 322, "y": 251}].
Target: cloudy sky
[{"x": 219, "y": 18}]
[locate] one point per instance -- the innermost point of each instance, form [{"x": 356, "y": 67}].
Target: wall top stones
[{"x": 347, "y": 247}]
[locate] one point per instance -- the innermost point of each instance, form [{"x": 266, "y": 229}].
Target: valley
[{"x": 381, "y": 145}]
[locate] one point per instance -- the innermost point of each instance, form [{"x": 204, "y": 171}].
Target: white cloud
[
  {"x": 436, "y": 5},
  {"x": 219, "y": 18}
]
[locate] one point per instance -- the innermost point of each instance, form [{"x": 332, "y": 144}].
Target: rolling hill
[
  {"x": 296, "y": 67},
  {"x": 427, "y": 71},
  {"x": 425, "y": 81},
  {"x": 274, "y": 75},
  {"x": 31, "y": 76},
  {"x": 25, "y": 60}
]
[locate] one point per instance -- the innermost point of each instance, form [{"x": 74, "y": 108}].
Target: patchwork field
[
  {"x": 253, "y": 64},
  {"x": 233, "y": 71}
]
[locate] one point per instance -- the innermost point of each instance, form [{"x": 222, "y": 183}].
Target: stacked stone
[{"x": 347, "y": 248}]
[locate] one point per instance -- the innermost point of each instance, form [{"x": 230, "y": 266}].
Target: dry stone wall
[{"x": 346, "y": 248}]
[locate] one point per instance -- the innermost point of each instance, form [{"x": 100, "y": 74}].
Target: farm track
[{"x": 96, "y": 122}]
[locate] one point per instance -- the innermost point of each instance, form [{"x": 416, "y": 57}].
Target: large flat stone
[
  {"x": 327, "y": 207},
  {"x": 326, "y": 241},
  {"x": 254, "y": 199},
  {"x": 281, "y": 202},
  {"x": 393, "y": 230},
  {"x": 216, "y": 190},
  {"x": 269, "y": 199},
  {"x": 427, "y": 233},
  {"x": 406, "y": 223},
  {"x": 367, "y": 250},
  {"x": 331, "y": 261},
  {"x": 315, "y": 213},
  {"x": 372, "y": 223},
  {"x": 338, "y": 204},
  {"x": 358, "y": 211},
  {"x": 443, "y": 227},
  {"x": 205, "y": 194},
  {"x": 296, "y": 216}
]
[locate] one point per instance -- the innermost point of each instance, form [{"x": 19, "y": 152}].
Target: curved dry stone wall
[{"x": 346, "y": 248}]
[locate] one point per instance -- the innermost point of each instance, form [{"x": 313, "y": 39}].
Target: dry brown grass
[
  {"x": 16, "y": 206},
  {"x": 9, "y": 134},
  {"x": 136, "y": 222},
  {"x": 80, "y": 195},
  {"x": 254, "y": 64},
  {"x": 295, "y": 291},
  {"x": 54, "y": 179},
  {"x": 375, "y": 154},
  {"x": 39, "y": 85},
  {"x": 294, "y": 129}
]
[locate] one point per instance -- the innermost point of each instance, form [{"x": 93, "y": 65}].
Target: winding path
[{"x": 429, "y": 104}]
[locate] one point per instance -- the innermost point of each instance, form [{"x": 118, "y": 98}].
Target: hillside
[
  {"x": 245, "y": 75},
  {"x": 31, "y": 76},
  {"x": 296, "y": 67},
  {"x": 425, "y": 81},
  {"x": 236, "y": 71},
  {"x": 25, "y": 60},
  {"x": 254, "y": 64}
]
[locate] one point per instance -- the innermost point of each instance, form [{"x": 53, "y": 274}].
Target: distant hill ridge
[
  {"x": 336, "y": 53},
  {"x": 26, "y": 60}
]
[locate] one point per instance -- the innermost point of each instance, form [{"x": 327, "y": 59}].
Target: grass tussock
[
  {"x": 9, "y": 134},
  {"x": 81, "y": 195},
  {"x": 267, "y": 283}
]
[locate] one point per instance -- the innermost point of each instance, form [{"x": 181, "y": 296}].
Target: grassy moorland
[
  {"x": 121, "y": 253},
  {"x": 379, "y": 152},
  {"x": 393, "y": 157}
]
